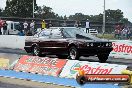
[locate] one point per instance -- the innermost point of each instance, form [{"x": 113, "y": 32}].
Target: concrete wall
[{"x": 12, "y": 41}]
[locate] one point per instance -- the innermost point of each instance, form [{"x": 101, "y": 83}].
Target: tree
[
  {"x": 96, "y": 18},
  {"x": 45, "y": 12},
  {"x": 1, "y": 12},
  {"x": 125, "y": 21},
  {"x": 114, "y": 15},
  {"x": 78, "y": 16},
  {"x": 20, "y": 8}
]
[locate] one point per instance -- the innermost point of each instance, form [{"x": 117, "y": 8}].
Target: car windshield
[{"x": 73, "y": 32}]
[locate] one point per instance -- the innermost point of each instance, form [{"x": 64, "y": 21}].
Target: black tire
[
  {"x": 36, "y": 51},
  {"x": 103, "y": 57},
  {"x": 81, "y": 80},
  {"x": 73, "y": 53}
]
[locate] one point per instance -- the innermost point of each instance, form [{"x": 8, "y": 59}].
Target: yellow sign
[{"x": 4, "y": 63}]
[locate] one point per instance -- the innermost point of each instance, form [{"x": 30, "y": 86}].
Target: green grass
[
  {"x": 106, "y": 36},
  {"x": 110, "y": 37}
]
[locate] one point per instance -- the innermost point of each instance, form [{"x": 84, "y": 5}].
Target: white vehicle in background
[
  {"x": 91, "y": 31},
  {"x": 12, "y": 27}
]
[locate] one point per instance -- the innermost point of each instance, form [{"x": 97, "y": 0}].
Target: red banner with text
[{"x": 40, "y": 65}]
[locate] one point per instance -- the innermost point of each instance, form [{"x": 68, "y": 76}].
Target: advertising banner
[
  {"x": 40, "y": 65},
  {"x": 103, "y": 78},
  {"x": 72, "y": 67},
  {"x": 122, "y": 49}
]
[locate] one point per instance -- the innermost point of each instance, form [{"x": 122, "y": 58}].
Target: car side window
[
  {"x": 56, "y": 34},
  {"x": 45, "y": 33}
]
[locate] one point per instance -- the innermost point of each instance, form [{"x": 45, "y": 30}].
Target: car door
[
  {"x": 44, "y": 41},
  {"x": 59, "y": 44}
]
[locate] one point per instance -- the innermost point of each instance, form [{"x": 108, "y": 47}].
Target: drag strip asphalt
[
  {"x": 14, "y": 54},
  {"x": 17, "y": 83}
]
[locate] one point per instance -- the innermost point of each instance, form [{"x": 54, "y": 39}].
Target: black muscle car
[{"x": 68, "y": 43}]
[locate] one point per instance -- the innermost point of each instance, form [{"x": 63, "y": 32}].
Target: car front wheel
[
  {"x": 73, "y": 53},
  {"x": 103, "y": 57},
  {"x": 36, "y": 51}
]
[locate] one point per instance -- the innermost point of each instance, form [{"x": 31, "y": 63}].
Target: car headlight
[
  {"x": 107, "y": 44},
  {"x": 110, "y": 44},
  {"x": 91, "y": 44},
  {"x": 88, "y": 44}
]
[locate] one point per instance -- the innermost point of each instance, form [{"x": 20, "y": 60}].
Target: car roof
[
  {"x": 58, "y": 28},
  {"x": 61, "y": 27}
]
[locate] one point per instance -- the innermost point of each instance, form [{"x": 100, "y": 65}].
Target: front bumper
[{"x": 95, "y": 51}]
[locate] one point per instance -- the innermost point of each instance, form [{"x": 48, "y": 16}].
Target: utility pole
[
  {"x": 103, "y": 29},
  {"x": 33, "y": 8}
]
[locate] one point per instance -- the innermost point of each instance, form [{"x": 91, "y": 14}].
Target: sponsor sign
[
  {"x": 104, "y": 78},
  {"x": 4, "y": 63},
  {"x": 122, "y": 49},
  {"x": 73, "y": 66},
  {"x": 45, "y": 65}
]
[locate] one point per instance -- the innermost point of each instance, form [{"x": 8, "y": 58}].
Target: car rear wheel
[
  {"x": 73, "y": 53},
  {"x": 36, "y": 51},
  {"x": 103, "y": 57}
]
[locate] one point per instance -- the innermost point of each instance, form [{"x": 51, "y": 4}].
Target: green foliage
[
  {"x": 78, "y": 16},
  {"x": 114, "y": 15},
  {"x": 106, "y": 36},
  {"x": 45, "y": 12},
  {"x": 96, "y": 18},
  {"x": 20, "y": 8},
  {"x": 111, "y": 16},
  {"x": 24, "y": 9},
  {"x": 1, "y": 12}
]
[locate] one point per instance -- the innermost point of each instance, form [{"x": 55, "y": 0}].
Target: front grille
[{"x": 102, "y": 44}]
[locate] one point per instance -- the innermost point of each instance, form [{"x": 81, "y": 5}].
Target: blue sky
[{"x": 87, "y": 7}]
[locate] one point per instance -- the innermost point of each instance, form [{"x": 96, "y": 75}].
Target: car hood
[{"x": 89, "y": 38}]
